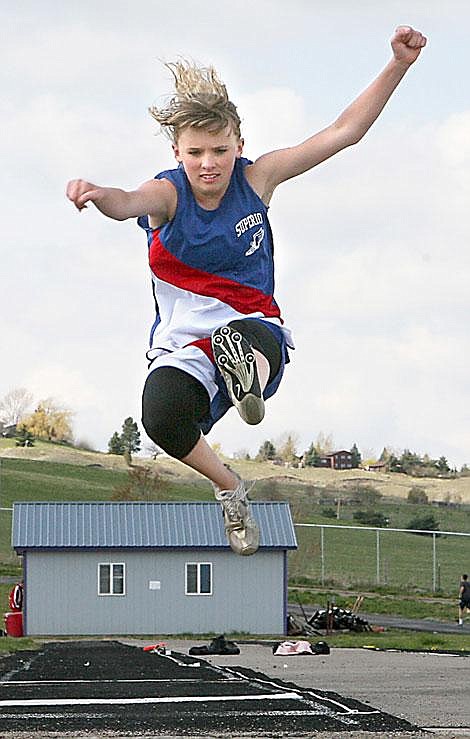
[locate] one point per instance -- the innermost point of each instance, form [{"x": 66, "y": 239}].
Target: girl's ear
[
  {"x": 241, "y": 143},
  {"x": 176, "y": 152}
]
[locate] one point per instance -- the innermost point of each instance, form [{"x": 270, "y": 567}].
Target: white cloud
[
  {"x": 371, "y": 247},
  {"x": 453, "y": 142}
]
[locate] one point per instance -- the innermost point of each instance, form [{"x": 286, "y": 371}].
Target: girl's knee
[
  {"x": 177, "y": 437},
  {"x": 173, "y": 403}
]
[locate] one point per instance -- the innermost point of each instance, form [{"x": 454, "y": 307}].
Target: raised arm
[
  {"x": 156, "y": 198},
  {"x": 277, "y": 166}
]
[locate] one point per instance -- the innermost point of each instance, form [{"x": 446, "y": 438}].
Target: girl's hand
[
  {"x": 407, "y": 44},
  {"x": 81, "y": 192}
]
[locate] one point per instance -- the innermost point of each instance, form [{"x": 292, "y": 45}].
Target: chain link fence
[{"x": 360, "y": 556}]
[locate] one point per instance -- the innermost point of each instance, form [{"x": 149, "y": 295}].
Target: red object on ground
[
  {"x": 155, "y": 647},
  {"x": 14, "y": 623}
]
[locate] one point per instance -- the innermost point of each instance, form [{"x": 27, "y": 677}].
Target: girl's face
[{"x": 208, "y": 160}]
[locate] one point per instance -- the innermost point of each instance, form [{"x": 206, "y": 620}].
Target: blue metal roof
[{"x": 130, "y": 524}]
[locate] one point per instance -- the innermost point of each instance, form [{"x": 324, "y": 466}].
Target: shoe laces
[
  {"x": 231, "y": 500},
  {"x": 232, "y": 508}
]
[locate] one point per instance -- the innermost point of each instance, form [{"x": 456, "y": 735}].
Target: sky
[{"x": 372, "y": 247}]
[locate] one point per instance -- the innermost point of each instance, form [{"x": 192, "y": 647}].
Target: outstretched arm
[
  {"x": 271, "y": 169},
  {"x": 154, "y": 198}
]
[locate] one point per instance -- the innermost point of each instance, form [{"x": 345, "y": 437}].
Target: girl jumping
[{"x": 218, "y": 339}]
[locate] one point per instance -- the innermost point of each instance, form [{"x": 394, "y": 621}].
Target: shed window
[
  {"x": 198, "y": 578},
  {"x": 111, "y": 578}
]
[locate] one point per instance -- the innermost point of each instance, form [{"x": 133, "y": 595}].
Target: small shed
[{"x": 149, "y": 568}]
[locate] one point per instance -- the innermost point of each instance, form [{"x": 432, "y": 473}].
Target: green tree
[
  {"x": 266, "y": 451},
  {"x": 424, "y": 523},
  {"x": 385, "y": 456},
  {"x": 356, "y": 456},
  {"x": 410, "y": 462},
  {"x": 395, "y": 464},
  {"x": 442, "y": 465},
  {"x": 130, "y": 437},
  {"x": 312, "y": 456},
  {"x": 115, "y": 445},
  {"x": 371, "y": 518}
]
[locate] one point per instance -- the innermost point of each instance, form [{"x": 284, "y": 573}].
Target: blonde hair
[{"x": 200, "y": 101}]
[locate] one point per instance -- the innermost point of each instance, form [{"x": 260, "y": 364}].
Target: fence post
[
  {"x": 377, "y": 545},
  {"x": 322, "y": 555},
  {"x": 434, "y": 563}
]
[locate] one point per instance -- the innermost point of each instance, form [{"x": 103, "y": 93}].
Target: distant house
[
  {"x": 149, "y": 568},
  {"x": 342, "y": 460},
  {"x": 378, "y": 467}
]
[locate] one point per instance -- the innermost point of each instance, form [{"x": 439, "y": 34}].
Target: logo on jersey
[
  {"x": 255, "y": 242},
  {"x": 254, "y": 219}
]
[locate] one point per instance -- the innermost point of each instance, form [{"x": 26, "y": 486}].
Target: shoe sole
[
  {"x": 236, "y": 362},
  {"x": 240, "y": 546}
]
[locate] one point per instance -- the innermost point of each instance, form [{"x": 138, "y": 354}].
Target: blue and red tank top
[{"x": 210, "y": 266}]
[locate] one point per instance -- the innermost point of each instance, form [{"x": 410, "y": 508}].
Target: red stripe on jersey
[
  {"x": 205, "y": 345},
  {"x": 241, "y": 298}
]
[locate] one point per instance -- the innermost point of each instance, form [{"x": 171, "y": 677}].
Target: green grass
[
  {"x": 400, "y": 513},
  {"x": 405, "y": 559},
  {"x": 392, "y": 639},
  {"x": 4, "y": 593},
  {"x": 10, "y": 644},
  {"x": 24, "y": 480},
  {"x": 417, "y": 607},
  {"x": 406, "y": 640}
]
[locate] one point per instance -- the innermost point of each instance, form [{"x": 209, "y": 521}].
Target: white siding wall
[{"x": 62, "y": 594}]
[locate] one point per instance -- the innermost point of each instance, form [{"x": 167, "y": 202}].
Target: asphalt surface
[{"x": 108, "y": 688}]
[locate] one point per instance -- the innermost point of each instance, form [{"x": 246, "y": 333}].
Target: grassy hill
[
  {"x": 55, "y": 472},
  {"x": 390, "y": 485}
]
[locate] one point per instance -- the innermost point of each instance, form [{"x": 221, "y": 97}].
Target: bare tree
[
  {"x": 15, "y": 405},
  {"x": 324, "y": 443},
  {"x": 142, "y": 484},
  {"x": 153, "y": 449}
]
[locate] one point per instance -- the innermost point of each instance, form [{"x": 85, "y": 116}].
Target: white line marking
[
  {"x": 178, "y": 662},
  {"x": 164, "y": 699},
  {"x": 305, "y": 692}
]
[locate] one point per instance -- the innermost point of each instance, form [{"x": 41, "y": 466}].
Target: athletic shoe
[
  {"x": 241, "y": 528},
  {"x": 236, "y": 361}
]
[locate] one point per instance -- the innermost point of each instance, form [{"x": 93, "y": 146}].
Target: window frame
[
  {"x": 198, "y": 566},
  {"x": 111, "y": 566}
]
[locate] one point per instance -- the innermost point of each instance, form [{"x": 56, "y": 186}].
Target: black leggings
[{"x": 174, "y": 402}]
